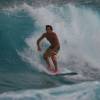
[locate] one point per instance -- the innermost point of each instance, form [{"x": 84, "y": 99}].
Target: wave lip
[{"x": 38, "y": 3}]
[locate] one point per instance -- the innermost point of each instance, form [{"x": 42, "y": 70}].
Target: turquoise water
[{"x": 22, "y": 68}]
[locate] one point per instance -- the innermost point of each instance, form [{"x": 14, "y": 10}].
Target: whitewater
[{"x": 22, "y": 68}]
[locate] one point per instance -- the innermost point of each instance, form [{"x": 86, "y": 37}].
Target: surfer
[{"x": 53, "y": 49}]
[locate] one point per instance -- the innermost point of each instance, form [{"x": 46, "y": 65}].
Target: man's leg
[
  {"x": 46, "y": 56},
  {"x": 54, "y": 62},
  {"x": 51, "y": 54}
]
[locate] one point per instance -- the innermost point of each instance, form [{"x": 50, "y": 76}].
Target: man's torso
[{"x": 53, "y": 39}]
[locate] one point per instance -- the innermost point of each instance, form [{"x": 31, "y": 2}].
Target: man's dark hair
[{"x": 49, "y": 26}]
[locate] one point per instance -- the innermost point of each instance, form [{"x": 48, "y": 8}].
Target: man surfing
[{"x": 53, "y": 49}]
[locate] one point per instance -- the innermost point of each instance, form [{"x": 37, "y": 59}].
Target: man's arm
[{"x": 39, "y": 40}]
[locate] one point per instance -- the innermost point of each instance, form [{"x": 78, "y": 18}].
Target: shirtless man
[{"x": 53, "y": 48}]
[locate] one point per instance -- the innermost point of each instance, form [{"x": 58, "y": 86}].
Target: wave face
[{"x": 22, "y": 67}]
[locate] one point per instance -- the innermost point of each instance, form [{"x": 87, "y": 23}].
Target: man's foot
[
  {"x": 54, "y": 70},
  {"x": 49, "y": 68}
]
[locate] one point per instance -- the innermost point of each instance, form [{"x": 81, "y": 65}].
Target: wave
[
  {"x": 76, "y": 37},
  {"x": 78, "y": 32},
  {"x": 84, "y": 91}
]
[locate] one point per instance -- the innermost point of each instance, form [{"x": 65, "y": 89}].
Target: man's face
[{"x": 48, "y": 30}]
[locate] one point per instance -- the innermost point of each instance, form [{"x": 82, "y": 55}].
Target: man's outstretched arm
[{"x": 39, "y": 40}]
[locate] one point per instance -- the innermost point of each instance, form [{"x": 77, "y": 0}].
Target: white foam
[
  {"x": 84, "y": 91},
  {"x": 77, "y": 29}
]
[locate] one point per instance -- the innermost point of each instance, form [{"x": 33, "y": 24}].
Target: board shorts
[{"x": 51, "y": 49}]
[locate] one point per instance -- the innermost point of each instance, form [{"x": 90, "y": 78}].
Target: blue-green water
[{"x": 22, "y": 68}]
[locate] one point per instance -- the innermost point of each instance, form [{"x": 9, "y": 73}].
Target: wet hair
[{"x": 49, "y": 26}]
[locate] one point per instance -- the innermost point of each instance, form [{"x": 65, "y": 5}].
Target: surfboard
[
  {"x": 60, "y": 72},
  {"x": 63, "y": 74}
]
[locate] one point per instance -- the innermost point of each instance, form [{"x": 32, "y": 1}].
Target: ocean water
[{"x": 22, "y": 68}]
